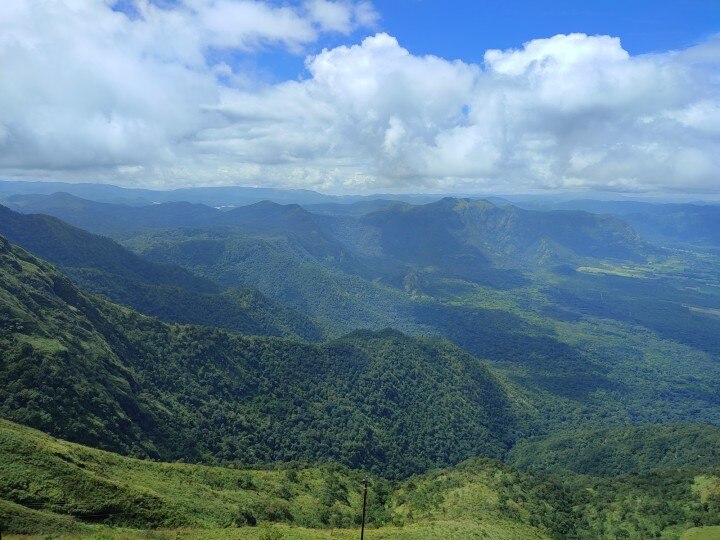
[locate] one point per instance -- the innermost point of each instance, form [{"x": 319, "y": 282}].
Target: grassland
[
  {"x": 54, "y": 489},
  {"x": 430, "y": 531},
  {"x": 702, "y": 533}
]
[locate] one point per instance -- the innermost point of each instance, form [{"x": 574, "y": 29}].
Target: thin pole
[{"x": 362, "y": 529}]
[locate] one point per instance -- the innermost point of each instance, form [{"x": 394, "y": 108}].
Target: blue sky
[
  {"x": 349, "y": 96},
  {"x": 465, "y": 29}
]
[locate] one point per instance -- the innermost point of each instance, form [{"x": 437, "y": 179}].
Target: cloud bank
[{"x": 89, "y": 93}]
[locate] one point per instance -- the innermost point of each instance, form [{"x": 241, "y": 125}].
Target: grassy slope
[
  {"x": 427, "y": 531},
  {"x": 53, "y": 480},
  {"x": 702, "y": 533}
]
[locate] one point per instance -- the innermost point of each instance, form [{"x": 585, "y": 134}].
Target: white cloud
[
  {"x": 85, "y": 87},
  {"x": 88, "y": 93},
  {"x": 343, "y": 17},
  {"x": 331, "y": 15},
  {"x": 569, "y": 111}
]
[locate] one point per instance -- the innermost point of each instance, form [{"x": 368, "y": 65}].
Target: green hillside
[
  {"x": 621, "y": 450},
  {"x": 92, "y": 372},
  {"x": 577, "y": 354},
  {"x": 654, "y": 505},
  {"x": 461, "y": 236},
  {"x": 51, "y": 486},
  {"x": 45, "y": 474},
  {"x": 169, "y": 292},
  {"x": 70, "y": 247}
]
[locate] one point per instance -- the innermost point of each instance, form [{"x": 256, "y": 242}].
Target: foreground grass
[
  {"x": 54, "y": 489},
  {"x": 50, "y": 486},
  {"x": 429, "y": 531},
  {"x": 702, "y": 533}
]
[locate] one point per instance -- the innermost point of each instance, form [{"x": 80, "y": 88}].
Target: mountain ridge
[{"x": 167, "y": 291}]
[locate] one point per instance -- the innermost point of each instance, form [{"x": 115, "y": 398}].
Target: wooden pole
[{"x": 362, "y": 527}]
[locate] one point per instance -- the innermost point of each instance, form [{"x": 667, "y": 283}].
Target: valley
[{"x": 413, "y": 343}]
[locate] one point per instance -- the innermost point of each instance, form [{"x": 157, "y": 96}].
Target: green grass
[
  {"x": 65, "y": 488},
  {"x": 428, "y": 531},
  {"x": 52, "y": 487},
  {"x": 702, "y": 533},
  {"x": 53, "y": 476}
]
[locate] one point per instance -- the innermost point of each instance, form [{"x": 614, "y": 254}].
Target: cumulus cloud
[
  {"x": 84, "y": 86},
  {"x": 90, "y": 93},
  {"x": 568, "y": 111}
]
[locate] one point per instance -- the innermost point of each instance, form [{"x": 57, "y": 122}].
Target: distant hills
[
  {"x": 212, "y": 196},
  {"x": 167, "y": 291},
  {"x": 472, "y": 232},
  {"x": 461, "y": 236},
  {"x": 669, "y": 223},
  {"x": 661, "y": 222},
  {"x": 220, "y": 196},
  {"x": 102, "y": 217},
  {"x": 454, "y": 237}
]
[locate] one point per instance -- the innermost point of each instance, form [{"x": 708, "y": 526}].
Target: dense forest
[
  {"x": 92, "y": 372},
  {"x": 166, "y": 291}
]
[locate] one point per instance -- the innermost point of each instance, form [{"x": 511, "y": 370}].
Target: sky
[{"x": 353, "y": 96}]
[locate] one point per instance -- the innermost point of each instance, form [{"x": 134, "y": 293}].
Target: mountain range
[
  {"x": 166, "y": 291},
  {"x": 294, "y": 348}
]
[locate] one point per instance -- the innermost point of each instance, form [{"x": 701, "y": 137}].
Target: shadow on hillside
[{"x": 531, "y": 352}]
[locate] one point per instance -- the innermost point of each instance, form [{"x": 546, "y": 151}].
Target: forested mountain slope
[
  {"x": 90, "y": 371},
  {"x": 613, "y": 451},
  {"x": 461, "y": 236},
  {"x": 588, "y": 341},
  {"x": 211, "y": 196},
  {"x": 166, "y": 291}
]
